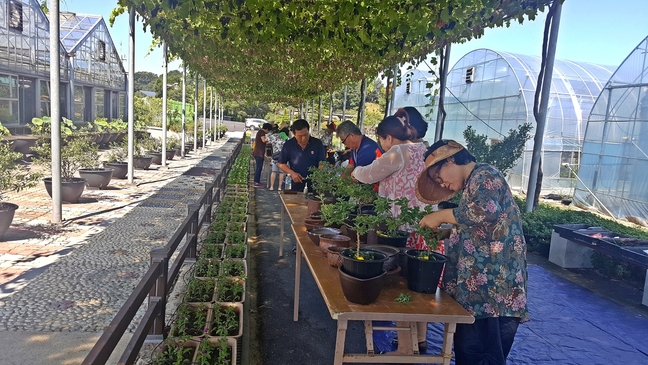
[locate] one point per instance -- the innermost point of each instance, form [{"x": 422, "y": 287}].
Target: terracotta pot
[
  {"x": 361, "y": 291},
  {"x": 334, "y": 257},
  {"x": 315, "y": 233},
  {"x": 329, "y": 240}
]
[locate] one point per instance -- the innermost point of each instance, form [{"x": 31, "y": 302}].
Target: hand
[
  {"x": 296, "y": 177},
  {"x": 431, "y": 221}
]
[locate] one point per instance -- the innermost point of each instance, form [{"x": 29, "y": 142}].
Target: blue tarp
[{"x": 569, "y": 325}]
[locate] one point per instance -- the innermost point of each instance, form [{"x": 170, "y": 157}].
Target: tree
[
  {"x": 502, "y": 154},
  {"x": 145, "y": 80}
]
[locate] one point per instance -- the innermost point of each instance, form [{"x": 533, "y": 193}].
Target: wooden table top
[
  {"x": 295, "y": 205},
  {"x": 439, "y": 307}
]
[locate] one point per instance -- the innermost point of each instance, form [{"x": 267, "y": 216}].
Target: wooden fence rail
[{"x": 160, "y": 277}]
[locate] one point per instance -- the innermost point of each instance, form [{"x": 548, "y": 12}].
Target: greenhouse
[
  {"x": 93, "y": 79},
  {"x": 494, "y": 92},
  {"x": 614, "y": 158}
]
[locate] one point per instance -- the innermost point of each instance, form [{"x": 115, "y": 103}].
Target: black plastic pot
[
  {"x": 423, "y": 275},
  {"x": 398, "y": 241},
  {"x": 363, "y": 269}
]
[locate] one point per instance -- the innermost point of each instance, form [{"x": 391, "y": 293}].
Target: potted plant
[
  {"x": 216, "y": 351},
  {"x": 21, "y": 144},
  {"x": 190, "y": 320},
  {"x": 117, "y": 159},
  {"x": 142, "y": 159},
  {"x": 172, "y": 147},
  {"x": 392, "y": 234},
  {"x": 96, "y": 175},
  {"x": 363, "y": 263},
  {"x": 227, "y": 320},
  {"x": 76, "y": 152},
  {"x": 13, "y": 177},
  {"x": 176, "y": 351}
]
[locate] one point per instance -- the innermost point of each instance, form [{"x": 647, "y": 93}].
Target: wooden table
[
  {"x": 295, "y": 206},
  {"x": 438, "y": 307}
]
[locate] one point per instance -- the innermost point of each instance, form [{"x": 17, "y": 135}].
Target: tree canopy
[{"x": 282, "y": 50}]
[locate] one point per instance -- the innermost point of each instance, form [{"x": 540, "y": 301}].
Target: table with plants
[{"x": 362, "y": 288}]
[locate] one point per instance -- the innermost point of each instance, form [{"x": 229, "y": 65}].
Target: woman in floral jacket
[{"x": 486, "y": 272}]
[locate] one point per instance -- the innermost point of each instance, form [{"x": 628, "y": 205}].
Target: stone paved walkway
[{"x": 76, "y": 276}]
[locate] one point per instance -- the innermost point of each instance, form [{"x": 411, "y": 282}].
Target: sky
[{"x": 598, "y": 31}]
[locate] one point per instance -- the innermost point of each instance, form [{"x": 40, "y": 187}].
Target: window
[
  {"x": 408, "y": 88},
  {"x": 46, "y": 107},
  {"x": 8, "y": 99},
  {"x": 79, "y": 104},
  {"x": 99, "y": 103},
  {"x": 470, "y": 75},
  {"x": 15, "y": 10},
  {"x": 101, "y": 50}
]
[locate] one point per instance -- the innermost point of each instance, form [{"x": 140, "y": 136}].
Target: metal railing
[{"x": 160, "y": 277}]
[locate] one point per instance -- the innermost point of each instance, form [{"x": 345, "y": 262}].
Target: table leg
[
  {"x": 406, "y": 337},
  {"x": 339, "y": 341},
  {"x": 281, "y": 234},
  {"x": 297, "y": 277},
  {"x": 368, "y": 328},
  {"x": 448, "y": 337}
]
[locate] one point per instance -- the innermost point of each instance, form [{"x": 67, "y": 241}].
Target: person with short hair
[
  {"x": 299, "y": 154},
  {"x": 276, "y": 139},
  {"x": 364, "y": 150},
  {"x": 259, "y": 152},
  {"x": 486, "y": 271}
]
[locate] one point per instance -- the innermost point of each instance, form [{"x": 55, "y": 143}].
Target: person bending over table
[
  {"x": 395, "y": 172},
  {"x": 300, "y": 153},
  {"x": 364, "y": 150},
  {"x": 486, "y": 271}
]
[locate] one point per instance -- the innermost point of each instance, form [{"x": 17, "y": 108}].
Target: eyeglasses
[
  {"x": 437, "y": 177},
  {"x": 345, "y": 138}
]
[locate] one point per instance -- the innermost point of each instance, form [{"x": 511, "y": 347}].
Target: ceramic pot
[
  {"x": 333, "y": 256},
  {"x": 363, "y": 269},
  {"x": 142, "y": 162},
  {"x": 170, "y": 154},
  {"x": 70, "y": 190},
  {"x": 97, "y": 178},
  {"x": 7, "y": 212},
  {"x": 315, "y": 233},
  {"x": 361, "y": 291},
  {"x": 391, "y": 252},
  {"x": 156, "y": 158},
  {"x": 423, "y": 275},
  {"x": 120, "y": 169},
  {"x": 328, "y": 240}
]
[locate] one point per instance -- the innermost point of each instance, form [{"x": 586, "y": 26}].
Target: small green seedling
[{"x": 403, "y": 298}]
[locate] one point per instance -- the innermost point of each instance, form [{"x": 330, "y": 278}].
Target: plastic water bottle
[
  {"x": 305, "y": 191},
  {"x": 288, "y": 182}
]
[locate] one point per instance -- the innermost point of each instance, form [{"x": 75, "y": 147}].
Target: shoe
[
  {"x": 258, "y": 185},
  {"x": 294, "y": 249}
]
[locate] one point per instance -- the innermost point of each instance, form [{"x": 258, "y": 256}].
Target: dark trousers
[
  {"x": 257, "y": 170},
  {"x": 488, "y": 341}
]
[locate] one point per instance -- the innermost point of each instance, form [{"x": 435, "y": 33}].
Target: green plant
[
  {"x": 118, "y": 151},
  {"x": 175, "y": 352},
  {"x": 403, "y": 298},
  {"x": 233, "y": 268},
  {"x": 207, "y": 267},
  {"x": 225, "y": 322},
  {"x": 13, "y": 175},
  {"x": 4, "y": 131},
  {"x": 236, "y": 251},
  {"x": 200, "y": 290},
  {"x": 218, "y": 353},
  {"x": 43, "y": 126},
  {"x": 76, "y": 152},
  {"x": 326, "y": 178},
  {"x": 230, "y": 289},
  {"x": 211, "y": 251},
  {"x": 337, "y": 213},
  {"x": 502, "y": 154},
  {"x": 190, "y": 320}
]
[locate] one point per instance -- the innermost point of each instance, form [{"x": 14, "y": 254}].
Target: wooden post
[{"x": 159, "y": 291}]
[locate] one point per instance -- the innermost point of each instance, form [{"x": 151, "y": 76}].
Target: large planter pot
[
  {"x": 156, "y": 158},
  {"x": 400, "y": 240},
  {"x": 170, "y": 154},
  {"x": 423, "y": 275},
  {"x": 22, "y": 144},
  {"x": 361, "y": 291},
  {"x": 70, "y": 190},
  {"x": 105, "y": 139},
  {"x": 363, "y": 269},
  {"x": 178, "y": 152},
  {"x": 7, "y": 211},
  {"x": 315, "y": 233},
  {"x": 120, "y": 169},
  {"x": 329, "y": 240},
  {"x": 97, "y": 178},
  {"x": 142, "y": 162}
]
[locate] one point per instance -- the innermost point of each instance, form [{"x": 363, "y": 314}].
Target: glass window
[
  {"x": 79, "y": 104},
  {"x": 9, "y": 110},
  {"x": 99, "y": 103},
  {"x": 46, "y": 108}
]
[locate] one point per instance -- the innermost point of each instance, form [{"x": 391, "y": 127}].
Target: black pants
[
  {"x": 488, "y": 341},
  {"x": 257, "y": 169}
]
